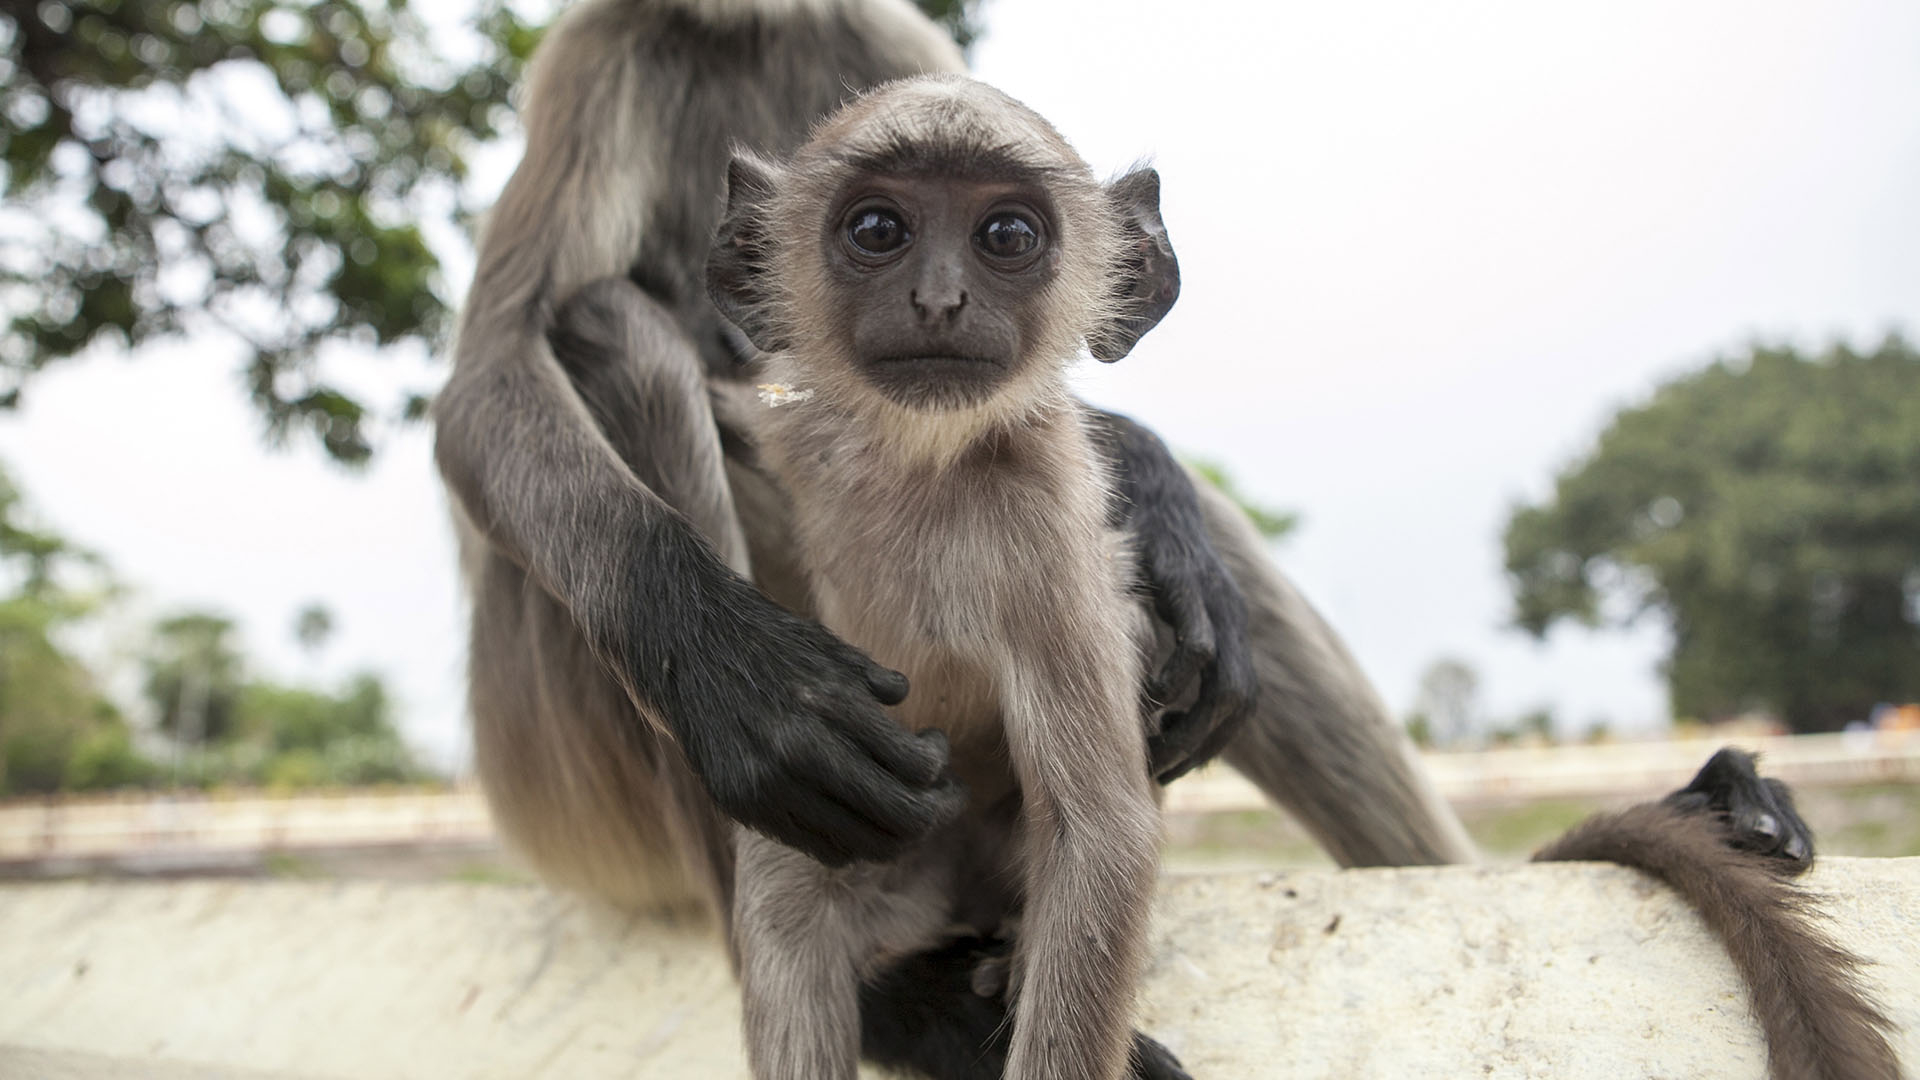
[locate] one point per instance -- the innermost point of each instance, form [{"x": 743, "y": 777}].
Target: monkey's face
[
  {"x": 938, "y": 287},
  {"x": 937, "y": 246}
]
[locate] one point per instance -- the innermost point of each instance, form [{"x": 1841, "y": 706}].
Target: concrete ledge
[{"x": 1566, "y": 972}]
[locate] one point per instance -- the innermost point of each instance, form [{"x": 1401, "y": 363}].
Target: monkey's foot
[
  {"x": 1758, "y": 811},
  {"x": 943, "y": 1014}
]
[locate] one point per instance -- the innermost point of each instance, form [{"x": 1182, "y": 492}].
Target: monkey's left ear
[
  {"x": 737, "y": 261},
  {"x": 1149, "y": 278}
]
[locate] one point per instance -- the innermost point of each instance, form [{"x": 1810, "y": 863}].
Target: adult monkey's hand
[
  {"x": 1192, "y": 592},
  {"x": 781, "y": 720}
]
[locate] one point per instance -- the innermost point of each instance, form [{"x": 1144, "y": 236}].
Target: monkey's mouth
[
  {"x": 938, "y": 380},
  {"x": 936, "y": 363}
]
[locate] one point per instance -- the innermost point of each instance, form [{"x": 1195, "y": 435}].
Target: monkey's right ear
[{"x": 737, "y": 272}]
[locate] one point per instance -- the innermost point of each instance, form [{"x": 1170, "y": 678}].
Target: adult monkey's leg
[{"x": 1318, "y": 739}]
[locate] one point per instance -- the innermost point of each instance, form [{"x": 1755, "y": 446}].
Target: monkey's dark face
[{"x": 937, "y": 285}]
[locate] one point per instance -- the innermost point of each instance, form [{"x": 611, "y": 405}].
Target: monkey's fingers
[
  {"x": 1193, "y": 642},
  {"x": 902, "y": 811},
  {"x": 1757, "y": 811},
  {"x": 1765, "y": 821},
  {"x": 815, "y": 822},
  {"x": 1171, "y": 750},
  {"x": 1219, "y": 710},
  {"x": 1148, "y": 1060},
  {"x": 1178, "y": 673},
  {"x": 848, "y": 830},
  {"x": 1224, "y": 729},
  {"x": 918, "y": 758},
  {"x": 889, "y": 686}
]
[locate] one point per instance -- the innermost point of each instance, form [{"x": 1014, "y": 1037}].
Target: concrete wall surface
[{"x": 1566, "y": 972}]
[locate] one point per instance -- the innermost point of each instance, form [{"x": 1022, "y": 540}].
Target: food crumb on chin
[{"x": 774, "y": 395}]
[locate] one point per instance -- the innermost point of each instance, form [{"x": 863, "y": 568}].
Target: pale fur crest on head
[{"x": 937, "y": 122}]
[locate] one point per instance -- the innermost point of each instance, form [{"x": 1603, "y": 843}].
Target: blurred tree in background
[
  {"x": 288, "y": 737},
  {"x": 1271, "y": 523},
  {"x": 253, "y": 166},
  {"x": 216, "y": 724},
  {"x": 313, "y": 628},
  {"x": 1446, "y": 707},
  {"x": 1769, "y": 508},
  {"x": 57, "y": 729},
  {"x": 193, "y": 676},
  {"x": 258, "y": 167},
  {"x": 232, "y": 728}
]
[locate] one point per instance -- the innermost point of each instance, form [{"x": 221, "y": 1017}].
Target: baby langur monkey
[{"x": 924, "y": 270}]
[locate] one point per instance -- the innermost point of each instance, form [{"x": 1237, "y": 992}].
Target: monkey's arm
[
  {"x": 780, "y": 719},
  {"x": 1192, "y": 592}
]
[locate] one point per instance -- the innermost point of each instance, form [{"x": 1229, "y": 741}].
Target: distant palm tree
[{"x": 312, "y": 627}]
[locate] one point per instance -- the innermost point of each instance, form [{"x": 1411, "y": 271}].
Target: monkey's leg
[
  {"x": 1091, "y": 832},
  {"x": 803, "y": 933},
  {"x": 1319, "y": 740},
  {"x": 798, "y": 982}
]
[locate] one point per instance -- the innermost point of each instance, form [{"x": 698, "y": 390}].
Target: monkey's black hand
[
  {"x": 1757, "y": 811},
  {"x": 1192, "y": 593},
  {"x": 1148, "y": 1060},
  {"x": 781, "y": 719}
]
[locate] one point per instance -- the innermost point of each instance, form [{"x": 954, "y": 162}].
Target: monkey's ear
[
  {"x": 737, "y": 275},
  {"x": 1149, "y": 278}
]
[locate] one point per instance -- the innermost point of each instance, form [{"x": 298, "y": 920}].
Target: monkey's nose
[{"x": 946, "y": 306}]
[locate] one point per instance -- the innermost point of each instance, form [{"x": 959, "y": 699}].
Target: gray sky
[{"x": 1427, "y": 250}]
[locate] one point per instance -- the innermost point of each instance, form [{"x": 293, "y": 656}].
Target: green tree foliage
[
  {"x": 194, "y": 677},
  {"x": 312, "y": 627},
  {"x": 311, "y": 738},
  {"x": 1769, "y": 508},
  {"x": 1446, "y": 707},
  {"x": 60, "y": 732},
  {"x": 961, "y": 18},
  {"x": 237, "y": 729},
  {"x": 252, "y": 165},
  {"x": 259, "y": 167},
  {"x": 56, "y": 728},
  {"x": 1272, "y": 524}
]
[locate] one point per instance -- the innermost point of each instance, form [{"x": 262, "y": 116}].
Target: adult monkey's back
[{"x": 612, "y": 645}]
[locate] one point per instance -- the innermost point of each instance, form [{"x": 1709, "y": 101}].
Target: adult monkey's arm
[
  {"x": 780, "y": 720},
  {"x": 1192, "y": 592}
]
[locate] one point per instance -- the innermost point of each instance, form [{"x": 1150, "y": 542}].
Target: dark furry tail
[{"x": 1818, "y": 1022}]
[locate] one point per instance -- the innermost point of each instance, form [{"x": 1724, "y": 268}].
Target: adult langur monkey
[{"x": 625, "y": 677}]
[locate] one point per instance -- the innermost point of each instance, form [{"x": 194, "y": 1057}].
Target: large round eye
[
  {"x": 1007, "y": 236},
  {"x": 876, "y": 231}
]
